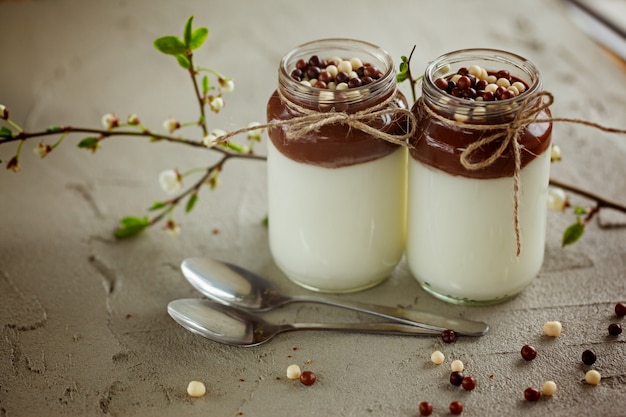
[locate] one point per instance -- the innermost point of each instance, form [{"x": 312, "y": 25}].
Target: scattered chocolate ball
[
  {"x": 548, "y": 388},
  {"x": 456, "y": 408},
  {"x": 456, "y": 378},
  {"x": 528, "y": 352},
  {"x": 620, "y": 309},
  {"x": 448, "y": 336},
  {"x": 589, "y": 357},
  {"x": 615, "y": 329},
  {"x": 293, "y": 371},
  {"x": 552, "y": 328},
  {"x": 532, "y": 394},
  {"x": 425, "y": 408},
  {"x": 307, "y": 378},
  {"x": 593, "y": 377},
  {"x": 468, "y": 383},
  {"x": 437, "y": 357},
  {"x": 196, "y": 389},
  {"x": 457, "y": 366}
]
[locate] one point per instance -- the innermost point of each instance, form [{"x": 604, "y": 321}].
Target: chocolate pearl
[
  {"x": 464, "y": 82},
  {"x": 367, "y": 80},
  {"x": 456, "y": 92},
  {"x": 472, "y": 79},
  {"x": 532, "y": 394},
  {"x": 314, "y": 61},
  {"x": 369, "y": 71},
  {"x": 488, "y": 96},
  {"x": 354, "y": 82},
  {"x": 296, "y": 74},
  {"x": 615, "y": 329},
  {"x": 324, "y": 76},
  {"x": 456, "y": 378},
  {"x": 361, "y": 71},
  {"x": 620, "y": 309},
  {"x": 448, "y": 336},
  {"x": 499, "y": 91},
  {"x": 463, "y": 71},
  {"x": 456, "y": 408},
  {"x": 451, "y": 85},
  {"x": 528, "y": 352},
  {"x": 589, "y": 357},
  {"x": 321, "y": 84},
  {"x": 468, "y": 383},
  {"x": 441, "y": 83},
  {"x": 480, "y": 85},
  {"x": 342, "y": 77},
  {"x": 301, "y": 64},
  {"x": 504, "y": 74},
  {"x": 506, "y": 95},
  {"x": 313, "y": 72},
  {"x": 307, "y": 378},
  {"x": 425, "y": 408}
]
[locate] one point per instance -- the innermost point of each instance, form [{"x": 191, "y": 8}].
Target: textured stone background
[{"x": 84, "y": 329}]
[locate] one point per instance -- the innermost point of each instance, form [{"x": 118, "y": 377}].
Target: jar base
[
  {"x": 309, "y": 287},
  {"x": 465, "y": 301}
]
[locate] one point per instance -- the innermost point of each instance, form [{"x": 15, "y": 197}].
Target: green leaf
[
  {"x": 198, "y": 37},
  {"x": 5, "y": 132},
  {"x": 53, "y": 129},
  {"x": 131, "y": 226},
  {"x": 579, "y": 211},
  {"x": 573, "y": 233},
  {"x": 205, "y": 85},
  {"x": 183, "y": 61},
  {"x": 89, "y": 143},
  {"x": 193, "y": 199},
  {"x": 266, "y": 221},
  {"x": 157, "y": 205},
  {"x": 170, "y": 45},
  {"x": 401, "y": 76},
  {"x": 187, "y": 35},
  {"x": 404, "y": 67}
]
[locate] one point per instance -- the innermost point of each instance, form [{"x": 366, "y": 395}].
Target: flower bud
[
  {"x": 227, "y": 84},
  {"x": 4, "y": 112},
  {"x": 170, "y": 181},
  {"x": 256, "y": 133},
  {"x": 213, "y": 137},
  {"x": 171, "y": 124},
  {"x": 13, "y": 164},
  {"x": 133, "y": 120},
  {"x": 555, "y": 153},
  {"x": 216, "y": 103},
  {"x": 557, "y": 199},
  {"x": 172, "y": 228},
  {"x": 42, "y": 149},
  {"x": 110, "y": 121}
]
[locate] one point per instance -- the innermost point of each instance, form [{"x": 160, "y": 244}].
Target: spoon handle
[
  {"x": 422, "y": 319},
  {"x": 384, "y": 328}
]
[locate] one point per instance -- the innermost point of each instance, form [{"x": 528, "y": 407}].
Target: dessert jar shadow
[
  {"x": 462, "y": 244},
  {"x": 336, "y": 193}
]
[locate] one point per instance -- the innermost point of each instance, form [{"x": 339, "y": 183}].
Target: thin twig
[{"x": 602, "y": 201}]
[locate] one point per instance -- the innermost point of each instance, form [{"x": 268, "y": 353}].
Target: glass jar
[
  {"x": 462, "y": 244},
  {"x": 336, "y": 194}
]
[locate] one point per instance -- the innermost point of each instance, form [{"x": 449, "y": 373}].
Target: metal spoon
[
  {"x": 232, "y": 285},
  {"x": 226, "y": 324}
]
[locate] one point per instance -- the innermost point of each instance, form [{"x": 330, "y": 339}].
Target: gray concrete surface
[{"x": 84, "y": 329}]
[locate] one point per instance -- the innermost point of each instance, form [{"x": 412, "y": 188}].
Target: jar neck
[
  {"x": 471, "y": 111},
  {"x": 326, "y": 100}
]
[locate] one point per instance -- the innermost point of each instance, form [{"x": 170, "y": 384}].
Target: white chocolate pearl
[
  {"x": 356, "y": 63},
  {"x": 457, "y": 366},
  {"x": 341, "y": 86},
  {"x": 475, "y": 70},
  {"x": 353, "y": 74},
  {"x": 460, "y": 117},
  {"x": 196, "y": 389},
  {"x": 491, "y": 79},
  {"x": 593, "y": 377},
  {"x": 332, "y": 85},
  {"x": 305, "y": 82},
  {"x": 552, "y": 328},
  {"x": 437, "y": 357},
  {"x": 455, "y": 78},
  {"x": 548, "y": 388},
  {"x": 513, "y": 90},
  {"x": 313, "y": 81},
  {"x": 332, "y": 70},
  {"x": 521, "y": 87},
  {"x": 503, "y": 82},
  {"x": 293, "y": 371},
  {"x": 336, "y": 60},
  {"x": 483, "y": 75},
  {"x": 445, "y": 69},
  {"x": 491, "y": 88},
  {"x": 345, "y": 66}
]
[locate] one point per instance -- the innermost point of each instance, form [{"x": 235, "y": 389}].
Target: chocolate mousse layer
[
  {"x": 335, "y": 145},
  {"x": 440, "y": 145}
]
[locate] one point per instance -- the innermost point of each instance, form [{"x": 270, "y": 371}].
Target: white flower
[
  {"x": 172, "y": 228},
  {"x": 171, "y": 124},
  {"x": 217, "y": 104},
  {"x": 42, "y": 150},
  {"x": 256, "y": 133},
  {"x": 109, "y": 121},
  {"x": 555, "y": 153},
  {"x": 213, "y": 137},
  {"x": 227, "y": 84},
  {"x": 557, "y": 199},
  {"x": 170, "y": 181},
  {"x": 133, "y": 120},
  {"x": 4, "y": 112}
]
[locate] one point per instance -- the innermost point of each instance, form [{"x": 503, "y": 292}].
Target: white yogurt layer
[
  {"x": 461, "y": 240},
  {"x": 337, "y": 229}
]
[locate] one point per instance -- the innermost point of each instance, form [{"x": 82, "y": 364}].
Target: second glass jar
[{"x": 336, "y": 194}]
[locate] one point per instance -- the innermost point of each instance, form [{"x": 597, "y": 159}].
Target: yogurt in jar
[{"x": 337, "y": 195}]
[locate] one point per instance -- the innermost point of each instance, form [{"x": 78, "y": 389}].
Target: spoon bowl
[
  {"x": 231, "y": 326},
  {"x": 235, "y": 286}
]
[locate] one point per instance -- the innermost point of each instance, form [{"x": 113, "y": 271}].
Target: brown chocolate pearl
[
  {"x": 355, "y": 82},
  {"x": 313, "y": 72},
  {"x": 532, "y": 394},
  {"x": 615, "y": 329},
  {"x": 314, "y": 61},
  {"x": 342, "y": 77},
  {"x": 456, "y": 408},
  {"x": 425, "y": 408},
  {"x": 301, "y": 64},
  {"x": 307, "y": 378},
  {"x": 528, "y": 352},
  {"x": 456, "y": 378},
  {"x": 441, "y": 83},
  {"x": 324, "y": 76},
  {"x": 464, "y": 82},
  {"x": 620, "y": 309}
]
